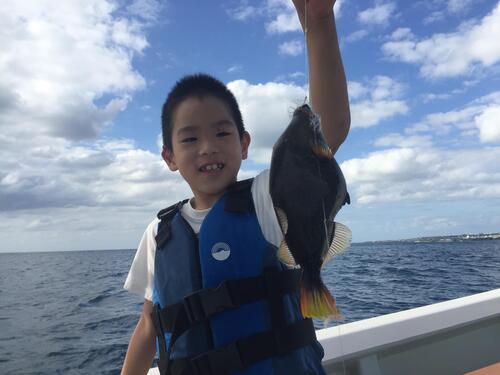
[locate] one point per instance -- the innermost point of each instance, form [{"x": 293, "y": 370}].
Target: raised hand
[{"x": 317, "y": 10}]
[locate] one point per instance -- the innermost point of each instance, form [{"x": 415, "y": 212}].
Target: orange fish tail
[{"x": 318, "y": 303}]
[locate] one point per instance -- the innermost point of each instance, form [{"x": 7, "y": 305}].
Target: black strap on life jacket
[
  {"x": 205, "y": 303},
  {"x": 163, "y": 362},
  {"x": 166, "y": 215},
  {"x": 247, "y": 351}
]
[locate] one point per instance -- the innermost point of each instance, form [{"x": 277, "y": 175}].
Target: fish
[{"x": 308, "y": 189}]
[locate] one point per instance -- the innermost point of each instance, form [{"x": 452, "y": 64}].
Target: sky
[{"x": 83, "y": 82}]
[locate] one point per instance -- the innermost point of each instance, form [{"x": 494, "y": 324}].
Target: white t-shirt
[{"x": 140, "y": 277}]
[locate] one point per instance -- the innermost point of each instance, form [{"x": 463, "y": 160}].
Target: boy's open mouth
[{"x": 211, "y": 167}]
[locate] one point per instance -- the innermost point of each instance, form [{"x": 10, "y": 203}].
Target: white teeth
[{"x": 210, "y": 167}]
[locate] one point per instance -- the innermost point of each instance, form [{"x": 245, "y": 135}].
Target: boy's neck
[
  {"x": 202, "y": 201},
  {"x": 203, "y": 204}
]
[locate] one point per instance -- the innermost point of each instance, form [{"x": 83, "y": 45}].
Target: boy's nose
[{"x": 208, "y": 147}]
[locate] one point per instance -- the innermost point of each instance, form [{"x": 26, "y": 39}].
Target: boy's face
[{"x": 206, "y": 148}]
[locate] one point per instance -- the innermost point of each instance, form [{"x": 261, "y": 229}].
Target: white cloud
[
  {"x": 291, "y": 48},
  {"x": 357, "y": 90},
  {"x": 415, "y": 167},
  {"x": 244, "y": 11},
  {"x": 281, "y": 12},
  {"x": 266, "y": 110},
  {"x": 67, "y": 71},
  {"x": 367, "y": 113},
  {"x": 459, "y": 6},
  {"x": 283, "y": 23},
  {"x": 235, "y": 68},
  {"x": 473, "y": 45},
  {"x": 375, "y": 101},
  {"x": 444, "y": 122},
  {"x": 424, "y": 175},
  {"x": 476, "y": 120},
  {"x": 446, "y": 9},
  {"x": 430, "y": 97},
  {"x": 488, "y": 123},
  {"x": 108, "y": 173},
  {"x": 401, "y": 33},
  {"x": 62, "y": 59},
  {"x": 379, "y": 14},
  {"x": 403, "y": 141},
  {"x": 290, "y": 77},
  {"x": 149, "y": 10},
  {"x": 434, "y": 17},
  {"x": 355, "y": 36}
]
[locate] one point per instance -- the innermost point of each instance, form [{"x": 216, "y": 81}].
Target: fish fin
[
  {"x": 282, "y": 219},
  {"x": 318, "y": 303},
  {"x": 341, "y": 241},
  {"x": 285, "y": 255},
  {"x": 322, "y": 150}
]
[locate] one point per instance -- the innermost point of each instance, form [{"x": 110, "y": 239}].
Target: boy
[{"x": 204, "y": 139}]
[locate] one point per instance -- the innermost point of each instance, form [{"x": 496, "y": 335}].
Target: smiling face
[{"x": 206, "y": 148}]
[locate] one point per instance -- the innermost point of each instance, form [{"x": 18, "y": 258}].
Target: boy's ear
[
  {"x": 168, "y": 156},
  {"x": 245, "y": 143}
]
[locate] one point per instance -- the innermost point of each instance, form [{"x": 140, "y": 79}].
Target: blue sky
[{"x": 83, "y": 83}]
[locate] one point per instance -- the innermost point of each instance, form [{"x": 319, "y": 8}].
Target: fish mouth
[
  {"x": 211, "y": 167},
  {"x": 321, "y": 149}
]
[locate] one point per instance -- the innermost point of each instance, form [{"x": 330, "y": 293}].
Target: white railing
[{"x": 349, "y": 339}]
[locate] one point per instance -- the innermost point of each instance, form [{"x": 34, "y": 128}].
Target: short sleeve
[
  {"x": 140, "y": 277},
  {"x": 265, "y": 209}
]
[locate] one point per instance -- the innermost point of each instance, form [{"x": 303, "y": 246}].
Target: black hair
[{"x": 197, "y": 85}]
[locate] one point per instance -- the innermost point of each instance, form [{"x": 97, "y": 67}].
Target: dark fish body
[{"x": 308, "y": 189}]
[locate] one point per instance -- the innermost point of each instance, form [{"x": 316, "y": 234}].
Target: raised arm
[{"x": 327, "y": 82}]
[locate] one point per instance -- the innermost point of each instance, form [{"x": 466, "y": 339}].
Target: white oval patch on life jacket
[{"x": 221, "y": 251}]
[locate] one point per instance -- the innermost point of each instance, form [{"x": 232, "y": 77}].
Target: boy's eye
[
  {"x": 188, "y": 140},
  {"x": 222, "y": 134}
]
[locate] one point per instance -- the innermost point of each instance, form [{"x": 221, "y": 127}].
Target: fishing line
[{"x": 306, "y": 72}]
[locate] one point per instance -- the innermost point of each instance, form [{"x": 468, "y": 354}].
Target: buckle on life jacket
[{"x": 202, "y": 304}]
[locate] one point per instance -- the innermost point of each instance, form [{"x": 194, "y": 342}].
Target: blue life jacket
[{"x": 222, "y": 301}]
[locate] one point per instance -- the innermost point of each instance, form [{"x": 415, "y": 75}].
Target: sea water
[{"x": 66, "y": 312}]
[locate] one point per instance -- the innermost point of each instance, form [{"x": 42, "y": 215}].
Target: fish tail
[{"x": 318, "y": 303}]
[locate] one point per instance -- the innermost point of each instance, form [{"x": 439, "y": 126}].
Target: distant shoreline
[
  {"x": 439, "y": 239},
  {"x": 436, "y": 239}
]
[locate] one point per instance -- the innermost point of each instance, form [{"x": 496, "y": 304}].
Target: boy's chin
[{"x": 216, "y": 189}]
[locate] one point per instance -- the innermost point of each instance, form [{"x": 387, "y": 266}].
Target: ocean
[{"x": 66, "y": 312}]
